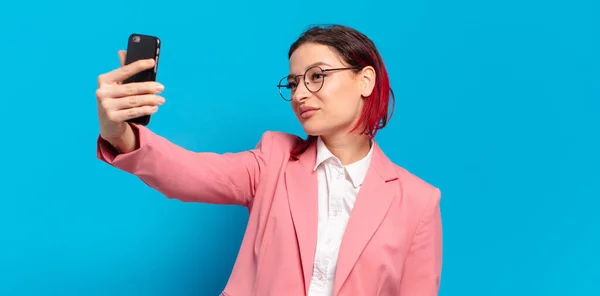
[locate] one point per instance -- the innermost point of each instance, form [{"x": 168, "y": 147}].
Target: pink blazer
[{"x": 392, "y": 245}]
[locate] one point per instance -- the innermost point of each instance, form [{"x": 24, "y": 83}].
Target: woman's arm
[
  {"x": 178, "y": 173},
  {"x": 422, "y": 270}
]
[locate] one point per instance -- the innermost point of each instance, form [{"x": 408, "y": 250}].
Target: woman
[{"x": 329, "y": 215}]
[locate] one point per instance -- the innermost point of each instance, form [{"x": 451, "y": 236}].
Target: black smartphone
[{"x": 141, "y": 47}]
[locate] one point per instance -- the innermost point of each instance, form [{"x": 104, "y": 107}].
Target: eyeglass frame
[{"x": 279, "y": 85}]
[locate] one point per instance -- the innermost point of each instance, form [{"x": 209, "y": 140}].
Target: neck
[{"x": 348, "y": 148}]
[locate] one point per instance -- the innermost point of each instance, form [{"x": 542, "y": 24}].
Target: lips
[
  {"x": 304, "y": 109},
  {"x": 307, "y": 111}
]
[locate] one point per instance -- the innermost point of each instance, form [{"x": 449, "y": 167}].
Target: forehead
[{"x": 310, "y": 54}]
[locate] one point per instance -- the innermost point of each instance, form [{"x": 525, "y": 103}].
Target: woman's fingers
[
  {"x": 128, "y": 89},
  {"x": 121, "y": 74},
  {"x": 133, "y": 101},
  {"x": 122, "y": 55},
  {"x": 126, "y": 114}
]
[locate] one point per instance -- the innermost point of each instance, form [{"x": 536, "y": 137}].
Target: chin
[
  {"x": 314, "y": 128},
  {"x": 310, "y": 128}
]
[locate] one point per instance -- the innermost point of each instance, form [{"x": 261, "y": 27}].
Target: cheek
[{"x": 342, "y": 102}]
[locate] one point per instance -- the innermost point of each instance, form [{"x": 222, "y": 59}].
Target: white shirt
[{"x": 338, "y": 188}]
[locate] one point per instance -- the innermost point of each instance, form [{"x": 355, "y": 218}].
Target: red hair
[{"x": 358, "y": 51}]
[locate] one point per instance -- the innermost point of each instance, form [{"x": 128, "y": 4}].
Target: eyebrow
[{"x": 309, "y": 66}]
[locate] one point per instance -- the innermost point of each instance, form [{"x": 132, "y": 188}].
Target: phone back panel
[{"x": 141, "y": 47}]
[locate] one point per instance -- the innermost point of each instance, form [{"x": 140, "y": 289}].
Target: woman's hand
[{"x": 119, "y": 102}]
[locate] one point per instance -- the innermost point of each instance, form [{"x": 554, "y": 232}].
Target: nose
[{"x": 301, "y": 93}]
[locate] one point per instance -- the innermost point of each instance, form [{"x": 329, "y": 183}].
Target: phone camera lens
[{"x": 136, "y": 39}]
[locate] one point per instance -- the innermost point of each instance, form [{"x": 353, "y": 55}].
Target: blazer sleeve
[
  {"x": 229, "y": 178},
  {"x": 422, "y": 270}
]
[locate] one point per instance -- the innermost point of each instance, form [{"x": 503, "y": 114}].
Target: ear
[{"x": 367, "y": 78}]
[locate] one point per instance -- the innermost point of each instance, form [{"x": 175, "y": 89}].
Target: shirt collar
[{"x": 357, "y": 171}]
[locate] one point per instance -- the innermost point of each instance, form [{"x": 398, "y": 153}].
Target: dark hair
[{"x": 358, "y": 51}]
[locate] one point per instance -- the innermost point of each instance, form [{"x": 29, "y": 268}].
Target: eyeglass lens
[{"x": 313, "y": 80}]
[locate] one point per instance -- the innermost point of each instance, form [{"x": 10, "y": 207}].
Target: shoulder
[
  {"x": 284, "y": 141},
  {"x": 414, "y": 183},
  {"x": 276, "y": 143},
  {"x": 418, "y": 192}
]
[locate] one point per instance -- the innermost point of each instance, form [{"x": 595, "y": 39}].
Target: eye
[
  {"x": 317, "y": 77},
  {"x": 291, "y": 85}
]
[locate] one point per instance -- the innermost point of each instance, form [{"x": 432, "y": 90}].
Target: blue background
[{"x": 498, "y": 105}]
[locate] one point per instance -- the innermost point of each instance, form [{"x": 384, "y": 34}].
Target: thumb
[{"x": 122, "y": 55}]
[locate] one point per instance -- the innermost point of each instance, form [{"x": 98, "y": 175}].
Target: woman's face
[{"x": 336, "y": 101}]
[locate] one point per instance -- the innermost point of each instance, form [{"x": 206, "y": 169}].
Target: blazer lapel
[
  {"x": 372, "y": 203},
  {"x": 302, "y": 188}
]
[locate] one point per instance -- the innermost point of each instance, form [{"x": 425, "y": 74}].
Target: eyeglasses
[{"x": 316, "y": 78}]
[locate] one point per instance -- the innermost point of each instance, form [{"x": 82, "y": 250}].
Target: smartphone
[{"x": 141, "y": 47}]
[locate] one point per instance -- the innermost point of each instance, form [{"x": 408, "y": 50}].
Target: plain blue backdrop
[{"x": 497, "y": 104}]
